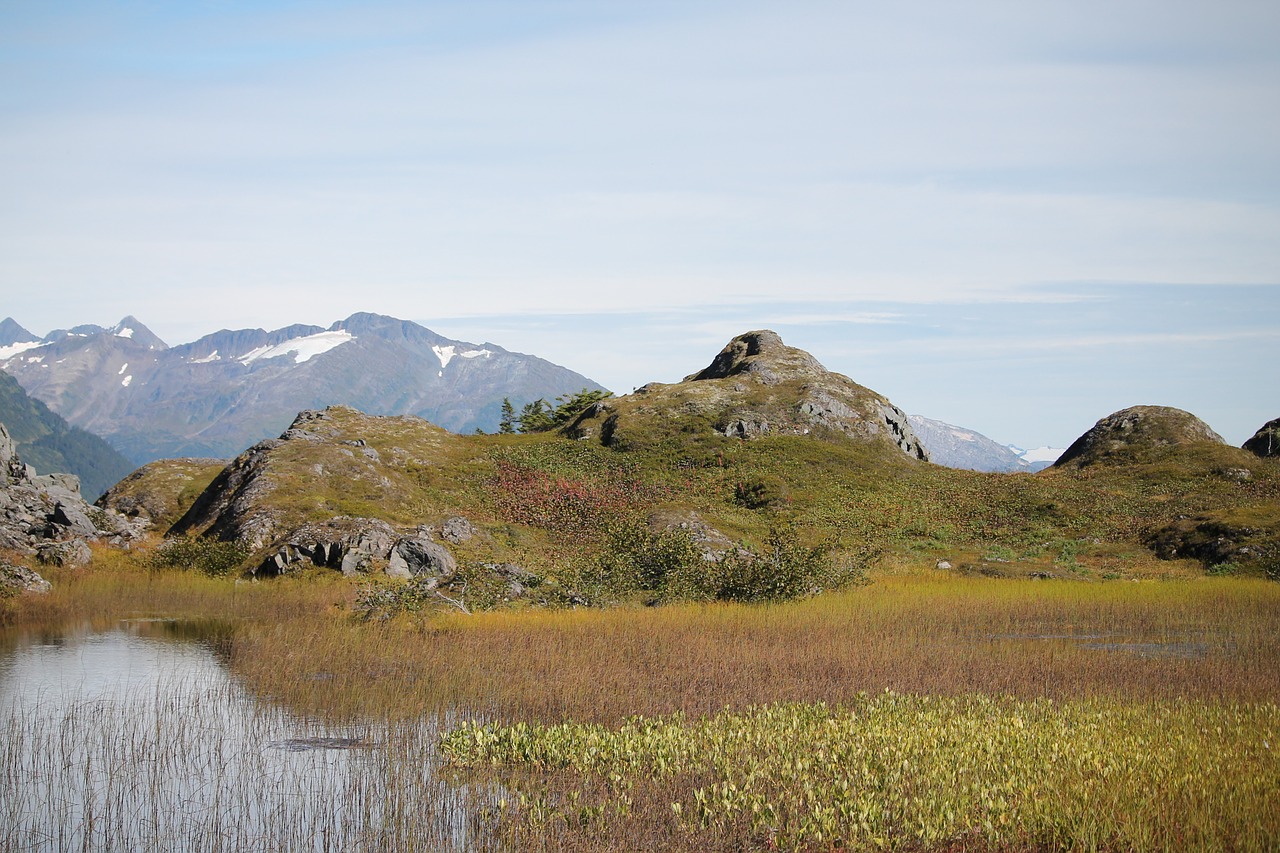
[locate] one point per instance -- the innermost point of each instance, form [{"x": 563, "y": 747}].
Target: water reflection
[{"x": 137, "y": 738}]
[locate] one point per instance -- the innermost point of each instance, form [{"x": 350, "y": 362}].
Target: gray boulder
[
  {"x": 15, "y": 579},
  {"x": 457, "y": 530},
  {"x": 73, "y": 552},
  {"x": 418, "y": 556}
]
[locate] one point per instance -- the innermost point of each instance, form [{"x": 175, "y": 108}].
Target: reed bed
[
  {"x": 935, "y": 635},
  {"x": 201, "y": 766}
]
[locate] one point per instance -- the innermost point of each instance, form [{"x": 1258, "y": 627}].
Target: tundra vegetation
[{"x": 798, "y": 641}]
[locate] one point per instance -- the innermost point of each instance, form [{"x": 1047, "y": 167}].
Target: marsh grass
[
  {"x": 199, "y": 766},
  {"x": 931, "y": 634},
  {"x": 1177, "y": 656}
]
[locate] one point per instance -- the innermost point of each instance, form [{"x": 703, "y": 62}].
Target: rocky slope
[
  {"x": 160, "y": 492},
  {"x": 757, "y": 386},
  {"x": 45, "y": 516},
  {"x": 222, "y": 393},
  {"x": 957, "y": 447},
  {"x": 1132, "y": 434}
]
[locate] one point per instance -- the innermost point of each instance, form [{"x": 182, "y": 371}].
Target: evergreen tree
[{"x": 507, "y": 425}]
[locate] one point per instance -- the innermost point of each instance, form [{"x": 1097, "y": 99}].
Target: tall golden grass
[{"x": 913, "y": 634}]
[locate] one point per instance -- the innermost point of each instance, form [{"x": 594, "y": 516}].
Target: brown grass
[{"x": 1210, "y": 638}]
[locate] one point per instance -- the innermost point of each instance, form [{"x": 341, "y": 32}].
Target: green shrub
[{"x": 213, "y": 557}]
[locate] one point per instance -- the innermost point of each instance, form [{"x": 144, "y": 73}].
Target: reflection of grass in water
[{"x": 199, "y": 767}]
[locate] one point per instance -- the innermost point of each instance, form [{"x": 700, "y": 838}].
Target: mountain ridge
[{"x": 215, "y": 396}]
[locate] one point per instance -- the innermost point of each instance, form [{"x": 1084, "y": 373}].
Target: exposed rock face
[
  {"x": 232, "y": 507},
  {"x": 417, "y": 556},
  {"x": 1266, "y": 441},
  {"x": 46, "y": 515},
  {"x": 1118, "y": 437},
  {"x": 757, "y": 386}
]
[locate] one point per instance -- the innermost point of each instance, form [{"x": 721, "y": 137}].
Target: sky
[{"x": 1017, "y": 217}]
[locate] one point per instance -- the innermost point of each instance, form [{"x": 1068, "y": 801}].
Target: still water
[{"x": 138, "y": 738}]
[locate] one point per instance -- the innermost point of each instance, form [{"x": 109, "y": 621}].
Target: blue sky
[{"x": 1017, "y": 217}]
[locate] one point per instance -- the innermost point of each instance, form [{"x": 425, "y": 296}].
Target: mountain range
[{"x": 218, "y": 395}]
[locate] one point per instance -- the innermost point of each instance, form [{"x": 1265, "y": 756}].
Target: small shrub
[{"x": 213, "y": 557}]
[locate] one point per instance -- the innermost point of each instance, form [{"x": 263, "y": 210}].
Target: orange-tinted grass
[{"x": 1210, "y": 638}]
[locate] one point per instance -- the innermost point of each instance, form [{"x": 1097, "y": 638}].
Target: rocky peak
[
  {"x": 12, "y": 333},
  {"x": 757, "y": 386},
  {"x": 1266, "y": 441},
  {"x": 1117, "y": 437},
  {"x": 762, "y": 356}
]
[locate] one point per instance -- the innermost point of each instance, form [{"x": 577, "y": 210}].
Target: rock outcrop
[
  {"x": 1266, "y": 441},
  {"x": 756, "y": 386},
  {"x": 1131, "y": 434},
  {"x": 46, "y": 516}
]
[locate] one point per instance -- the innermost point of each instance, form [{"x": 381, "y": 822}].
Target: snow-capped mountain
[
  {"x": 959, "y": 447},
  {"x": 220, "y": 394}
]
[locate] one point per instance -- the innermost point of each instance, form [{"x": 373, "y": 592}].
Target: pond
[{"x": 138, "y": 738}]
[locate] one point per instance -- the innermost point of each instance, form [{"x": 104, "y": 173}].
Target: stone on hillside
[
  {"x": 418, "y": 556},
  {"x": 457, "y": 530},
  {"x": 1266, "y": 441},
  {"x": 73, "y": 518},
  {"x": 68, "y": 483},
  {"x": 710, "y": 541},
  {"x": 74, "y": 552},
  {"x": 1115, "y": 438},
  {"x": 21, "y": 579}
]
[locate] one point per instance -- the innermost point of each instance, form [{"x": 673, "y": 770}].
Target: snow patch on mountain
[
  {"x": 125, "y": 382},
  {"x": 302, "y": 349},
  {"x": 14, "y": 349},
  {"x": 1039, "y": 454},
  {"x": 447, "y": 354},
  {"x": 208, "y": 359}
]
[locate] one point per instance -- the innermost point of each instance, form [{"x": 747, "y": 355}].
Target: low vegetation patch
[{"x": 899, "y": 772}]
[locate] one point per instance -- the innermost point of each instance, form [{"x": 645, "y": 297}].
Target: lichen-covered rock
[
  {"x": 16, "y": 579},
  {"x": 418, "y": 556},
  {"x": 1130, "y": 434},
  {"x": 73, "y": 552}
]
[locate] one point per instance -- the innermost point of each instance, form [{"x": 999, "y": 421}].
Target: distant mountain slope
[
  {"x": 957, "y": 447},
  {"x": 52, "y": 446},
  {"x": 228, "y": 390}
]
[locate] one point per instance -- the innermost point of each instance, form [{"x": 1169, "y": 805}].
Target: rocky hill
[
  {"x": 230, "y": 389},
  {"x": 1133, "y": 434},
  {"x": 756, "y": 387},
  {"x": 51, "y": 445},
  {"x": 160, "y": 492},
  {"x": 1266, "y": 441}
]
